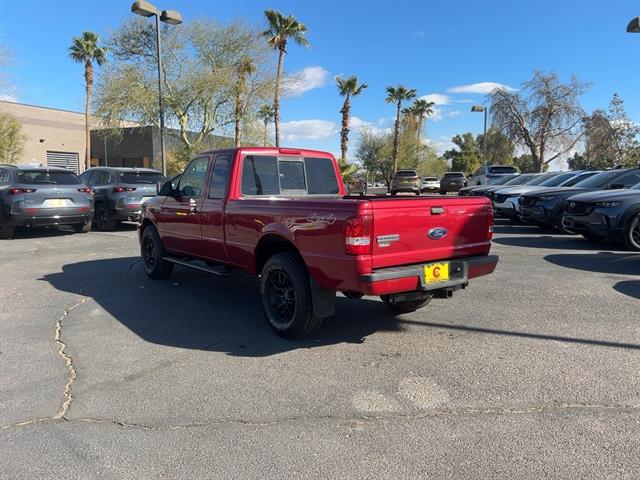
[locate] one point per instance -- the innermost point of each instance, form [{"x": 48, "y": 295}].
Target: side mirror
[
  {"x": 165, "y": 189},
  {"x": 616, "y": 186}
]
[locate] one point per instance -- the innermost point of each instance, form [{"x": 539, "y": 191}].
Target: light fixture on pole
[
  {"x": 480, "y": 108},
  {"x": 634, "y": 26},
  {"x": 171, "y": 17}
]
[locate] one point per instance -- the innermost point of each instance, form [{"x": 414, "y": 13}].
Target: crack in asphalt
[
  {"x": 425, "y": 414},
  {"x": 62, "y": 351}
]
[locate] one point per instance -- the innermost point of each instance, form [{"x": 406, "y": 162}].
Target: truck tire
[
  {"x": 83, "y": 227},
  {"x": 6, "y": 232},
  {"x": 560, "y": 223},
  {"x": 102, "y": 219},
  {"x": 285, "y": 295},
  {"x": 632, "y": 233},
  {"x": 152, "y": 252},
  {"x": 408, "y": 306}
]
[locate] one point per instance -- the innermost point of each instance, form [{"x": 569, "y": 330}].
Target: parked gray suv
[
  {"x": 38, "y": 195},
  {"x": 119, "y": 193}
]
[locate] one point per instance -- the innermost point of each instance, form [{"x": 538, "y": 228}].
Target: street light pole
[
  {"x": 159, "y": 50},
  {"x": 480, "y": 108},
  {"x": 147, "y": 9}
]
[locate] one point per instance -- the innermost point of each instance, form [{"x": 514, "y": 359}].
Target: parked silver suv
[
  {"x": 119, "y": 192},
  {"x": 39, "y": 195}
]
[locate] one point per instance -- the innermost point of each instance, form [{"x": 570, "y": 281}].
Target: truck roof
[{"x": 272, "y": 151}]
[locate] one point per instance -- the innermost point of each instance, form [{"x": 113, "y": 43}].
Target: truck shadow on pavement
[
  {"x": 192, "y": 310},
  {"x": 195, "y": 310},
  {"x": 555, "y": 242},
  {"x": 630, "y": 288}
]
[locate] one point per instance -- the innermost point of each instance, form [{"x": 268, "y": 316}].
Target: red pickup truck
[{"x": 283, "y": 214}]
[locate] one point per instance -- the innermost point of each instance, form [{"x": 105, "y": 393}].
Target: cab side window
[
  {"x": 4, "y": 176},
  {"x": 220, "y": 177},
  {"x": 192, "y": 180}
]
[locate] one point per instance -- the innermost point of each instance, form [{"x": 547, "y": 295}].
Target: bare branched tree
[{"x": 544, "y": 117}]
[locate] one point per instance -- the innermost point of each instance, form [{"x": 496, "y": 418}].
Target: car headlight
[
  {"x": 546, "y": 198},
  {"x": 607, "y": 204}
]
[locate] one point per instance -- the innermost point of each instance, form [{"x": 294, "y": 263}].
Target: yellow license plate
[
  {"x": 57, "y": 203},
  {"x": 436, "y": 272}
]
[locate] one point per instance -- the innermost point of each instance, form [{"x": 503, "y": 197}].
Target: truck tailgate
[{"x": 415, "y": 230}]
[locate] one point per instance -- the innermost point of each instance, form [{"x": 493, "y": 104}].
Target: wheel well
[
  {"x": 628, "y": 216},
  {"x": 269, "y": 245},
  {"x": 145, "y": 223}
]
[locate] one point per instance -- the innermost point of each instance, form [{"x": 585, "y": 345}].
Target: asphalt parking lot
[{"x": 530, "y": 373}]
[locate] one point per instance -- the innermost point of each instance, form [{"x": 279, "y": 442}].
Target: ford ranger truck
[{"x": 283, "y": 215}]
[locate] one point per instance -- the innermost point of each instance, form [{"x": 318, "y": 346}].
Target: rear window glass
[
  {"x": 139, "y": 177},
  {"x": 429, "y": 179},
  {"x": 454, "y": 175},
  {"x": 263, "y": 175},
  {"x": 406, "y": 173},
  {"x": 579, "y": 178},
  {"x": 502, "y": 170},
  {"x": 47, "y": 177}
]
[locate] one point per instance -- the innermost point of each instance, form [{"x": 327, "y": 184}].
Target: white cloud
[
  {"x": 7, "y": 97},
  {"x": 441, "y": 144},
  {"x": 454, "y": 113},
  {"x": 307, "y": 79},
  {"x": 357, "y": 124},
  {"x": 437, "y": 98},
  {"x": 307, "y": 129},
  {"x": 481, "y": 88}
]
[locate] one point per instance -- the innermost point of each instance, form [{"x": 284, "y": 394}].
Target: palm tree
[
  {"x": 85, "y": 50},
  {"x": 397, "y": 95},
  {"x": 266, "y": 115},
  {"x": 421, "y": 109},
  {"x": 245, "y": 67},
  {"x": 347, "y": 87},
  {"x": 280, "y": 30}
]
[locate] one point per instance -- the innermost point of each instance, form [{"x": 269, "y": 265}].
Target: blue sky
[{"x": 431, "y": 46}]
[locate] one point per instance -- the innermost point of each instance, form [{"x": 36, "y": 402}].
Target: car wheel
[
  {"x": 6, "y": 232},
  {"x": 560, "y": 224},
  {"x": 442, "y": 192},
  {"x": 393, "y": 193},
  {"x": 83, "y": 227},
  {"x": 417, "y": 193},
  {"x": 152, "y": 252},
  {"x": 408, "y": 306},
  {"x": 286, "y": 296},
  {"x": 632, "y": 233},
  {"x": 102, "y": 219}
]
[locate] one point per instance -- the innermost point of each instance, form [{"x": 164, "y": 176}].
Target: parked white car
[
  {"x": 485, "y": 175},
  {"x": 430, "y": 184}
]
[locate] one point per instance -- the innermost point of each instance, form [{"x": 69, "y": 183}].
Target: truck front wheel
[
  {"x": 286, "y": 296},
  {"x": 152, "y": 253},
  {"x": 406, "y": 306}
]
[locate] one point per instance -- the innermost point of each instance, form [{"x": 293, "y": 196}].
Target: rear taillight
[
  {"x": 20, "y": 191},
  {"x": 490, "y": 218},
  {"x": 123, "y": 189},
  {"x": 85, "y": 190},
  {"x": 357, "y": 235}
]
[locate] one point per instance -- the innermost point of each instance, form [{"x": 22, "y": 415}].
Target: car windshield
[
  {"x": 140, "y": 177},
  {"x": 579, "y": 178},
  {"x": 541, "y": 178},
  {"x": 405, "y": 173},
  {"x": 599, "y": 179},
  {"x": 503, "y": 180},
  {"x": 635, "y": 187},
  {"x": 47, "y": 177},
  {"x": 500, "y": 170},
  {"x": 558, "y": 179},
  {"x": 522, "y": 179}
]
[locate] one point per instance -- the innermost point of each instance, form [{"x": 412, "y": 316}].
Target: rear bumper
[
  {"x": 131, "y": 213},
  {"x": 49, "y": 218},
  {"x": 405, "y": 188},
  {"x": 410, "y": 278}
]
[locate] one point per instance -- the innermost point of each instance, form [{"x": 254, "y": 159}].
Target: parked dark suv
[
  {"x": 452, "y": 182},
  {"x": 119, "y": 192},
  {"x": 38, "y": 195},
  {"x": 612, "y": 214}
]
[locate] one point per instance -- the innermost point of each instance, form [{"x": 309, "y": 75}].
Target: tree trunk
[
  {"x": 344, "y": 133},
  {"x": 266, "y": 124},
  {"x": 276, "y": 99},
  {"x": 88, "y": 76},
  {"x": 395, "y": 139},
  {"x": 237, "y": 117}
]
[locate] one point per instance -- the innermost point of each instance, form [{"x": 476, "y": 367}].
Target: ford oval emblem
[{"x": 437, "y": 233}]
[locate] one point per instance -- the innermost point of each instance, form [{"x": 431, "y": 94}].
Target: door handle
[{"x": 193, "y": 206}]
